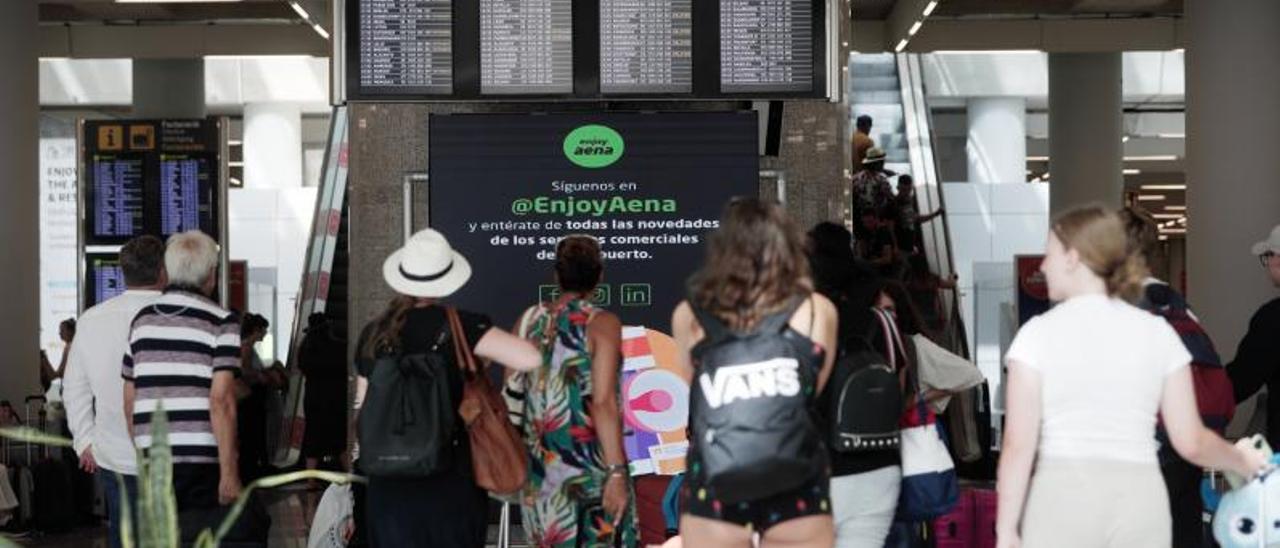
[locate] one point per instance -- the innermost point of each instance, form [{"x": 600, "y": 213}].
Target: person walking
[
  {"x": 579, "y": 484},
  {"x": 758, "y": 340},
  {"x": 93, "y": 391},
  {"x": 444, "y": 508},
  {"x": 1257, "y": 359},
  {"x": 1085, "y": 383},
  {"x": 184, "y": 357}
]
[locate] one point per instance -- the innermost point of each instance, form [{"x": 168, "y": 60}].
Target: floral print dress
[{"x": 562, "y": 502}]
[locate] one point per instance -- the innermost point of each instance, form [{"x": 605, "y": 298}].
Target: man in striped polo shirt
[{"x": 184, "y": 355}]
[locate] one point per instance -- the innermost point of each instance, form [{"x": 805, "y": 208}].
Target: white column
[
  {"x": 272, "y": 145},
  {"x": 1085, "y": 126},
  {"x": 1233, "y": 168},
  {"x": 19, "y": 195},
  {"x": 997, "y": 140},
  {"x": 168, "y": 88}
]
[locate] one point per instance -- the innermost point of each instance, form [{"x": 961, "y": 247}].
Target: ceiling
[{"x": 71, "y": 11}]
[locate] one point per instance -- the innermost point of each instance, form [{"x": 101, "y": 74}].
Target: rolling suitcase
[
  {"x": 53, "y": 505},
  {"x": 956, "y": 529},
  {"x": 984, "y": 504}
]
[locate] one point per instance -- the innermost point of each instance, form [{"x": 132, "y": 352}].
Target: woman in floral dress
[{"x": 579, "y": 486}]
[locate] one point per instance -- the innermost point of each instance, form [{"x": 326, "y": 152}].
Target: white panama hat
[
  {"x": 426, "y": 267},
  {"x": 1271, "y": 244}
]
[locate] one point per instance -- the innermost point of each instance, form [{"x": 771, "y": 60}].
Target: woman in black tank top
[{"x": 756, "y": 278}]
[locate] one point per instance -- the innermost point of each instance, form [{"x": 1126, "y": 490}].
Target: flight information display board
[
  {"x": 646, "y": 46},
  {"x": 423, "y": 50},
  {"x": 406, "y": 46},
  {"x": 766, "y": 46},
  {"x": 103, "y": 277},
  {"x": 156, "y": 177},
  {"x": 526, "y": 47}
]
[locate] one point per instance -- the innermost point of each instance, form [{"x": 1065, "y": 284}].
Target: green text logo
[{"x": 593, "y": 146}]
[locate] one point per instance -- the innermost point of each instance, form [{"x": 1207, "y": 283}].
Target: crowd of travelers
[{"x": 1104, "y": 438}]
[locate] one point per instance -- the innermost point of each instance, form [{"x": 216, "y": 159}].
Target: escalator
[
  {"x": 324, "y": 281},
  {"x": 890, "y": 88}
]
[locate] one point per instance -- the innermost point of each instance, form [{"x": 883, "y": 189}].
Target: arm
[
  {"x": 1017, "y": 454},
  {"x": 926, "y": 218},
  {"x": 1253, "y": 365},
  {"x": 885, "y": 257},
  {"x": 824, "y": 333},
  {"x": 78, "y": 399},
  {"x": 604, "y": 338},
  {"x": 682, "y": 330},
  {"x": 222, "y": 415},
  {"x": 1191, "y": 439},
  {"x": 509, "y": 350},
  {"x": 129, "y": 395},
  {"x": 62, "y": 366}
]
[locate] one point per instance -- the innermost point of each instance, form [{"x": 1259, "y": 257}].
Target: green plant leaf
[
  {"x": 275, "y": 481},
  {"x": 126, "y": 517},
  {"x": 157, "y": 509},
  {"x": 32, "y": 435}
]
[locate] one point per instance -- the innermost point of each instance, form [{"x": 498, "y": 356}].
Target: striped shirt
[{"x": 175, "y": 347}]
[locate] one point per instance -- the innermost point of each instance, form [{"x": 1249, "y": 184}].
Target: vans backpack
[
  {"x": 750, "y": 418},
  {"x": 865, "y": 405},
  {"x": 406, "y": 425}
]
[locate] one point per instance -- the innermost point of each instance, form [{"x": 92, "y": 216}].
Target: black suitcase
[{"x": 53, "y": 508}]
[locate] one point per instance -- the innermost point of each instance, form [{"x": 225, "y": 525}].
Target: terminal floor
[{"x": 291, "y": 514}]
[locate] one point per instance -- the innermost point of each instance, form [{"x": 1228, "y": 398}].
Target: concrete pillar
[
  {"x": 168, "y": 88},
  {"x": 272, "y": 145},
  {"x": 20, "y": 197},
  {"x": 996, "y": 146},
  {"x": 1233, "y": 128},
  {"x": 1085, "y": 126}
]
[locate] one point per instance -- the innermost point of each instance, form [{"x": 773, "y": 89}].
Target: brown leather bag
[{"x": 498, "y": 457}]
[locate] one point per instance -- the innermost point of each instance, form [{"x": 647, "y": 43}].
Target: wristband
[{"x": 618, "y": 470}]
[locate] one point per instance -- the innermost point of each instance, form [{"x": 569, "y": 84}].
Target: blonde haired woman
[{"x": 1085, "y": 383}]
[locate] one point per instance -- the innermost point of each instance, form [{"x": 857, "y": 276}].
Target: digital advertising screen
[{"x": 649, "y": 187}]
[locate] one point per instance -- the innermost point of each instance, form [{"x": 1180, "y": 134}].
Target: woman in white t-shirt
[{"x": 1085, "y": 382}]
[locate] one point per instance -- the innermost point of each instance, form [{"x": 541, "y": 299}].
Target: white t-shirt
[{"x": 1102, "y": 365}]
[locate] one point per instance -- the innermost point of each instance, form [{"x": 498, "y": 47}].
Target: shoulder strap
[
  {"x": 712, "y": 327},
  {"x": 781, "y": 320},
  {"x": 462, "y": 350}
]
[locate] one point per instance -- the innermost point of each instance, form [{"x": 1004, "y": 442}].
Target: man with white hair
[{"x": 184, "y": 356}]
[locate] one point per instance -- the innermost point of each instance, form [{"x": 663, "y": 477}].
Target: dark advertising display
[
  {"x": 149, "y": 177},
  {"x": 420, "y": 50},
  {"x": 649, "y": 187}
]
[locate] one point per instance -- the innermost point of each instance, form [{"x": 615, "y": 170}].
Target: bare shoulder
[
  {"x": 682, "y": 316},
  {"x": 603, "y": 320}
]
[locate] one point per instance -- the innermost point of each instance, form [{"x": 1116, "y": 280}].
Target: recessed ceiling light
[
  {"x": 1164, "y": 187},
  {"x": 1175, "y": 207},
  {"x": 1150, "y": 197},
  {"x": 928, "y": 10},
  {"x": 1167, "y": 215},
  {"x": 1152, "y": 158},
  {"x": 1132, "y": 172},
  {"x": 915, "y": 27},
  {"x": 902, "y": 44}
]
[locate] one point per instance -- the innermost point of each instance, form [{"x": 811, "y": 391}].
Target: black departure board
[
  {"x": 118, "y": 198},
  {"x": 103, "y": 278},
  {"x": 186, "y": 193},
  {"x": 157, "y": 177},
  {"x": 766, "y": 45},
  {"x": 526, "y": 47},
  {"x": 646, "y": 46},
  {"x": 599, "y": 50},
  {"x": 406, "y": 46}
]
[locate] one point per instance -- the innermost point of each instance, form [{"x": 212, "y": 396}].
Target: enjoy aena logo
[{"x": 593, "y": 146}]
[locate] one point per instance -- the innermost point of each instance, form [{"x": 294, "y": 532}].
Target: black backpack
[
  {"x": 406, "y": 425},
  {"x": 865, "y": 400},
  {"x": 749, "y": 410}
]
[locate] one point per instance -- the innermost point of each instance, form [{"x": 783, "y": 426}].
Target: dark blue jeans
[{"x": 111, "y": 491}]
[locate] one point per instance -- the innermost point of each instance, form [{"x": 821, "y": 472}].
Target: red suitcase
[
  {"x": 956, "y": 529},
  {"x": 985, "y": 524}
]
